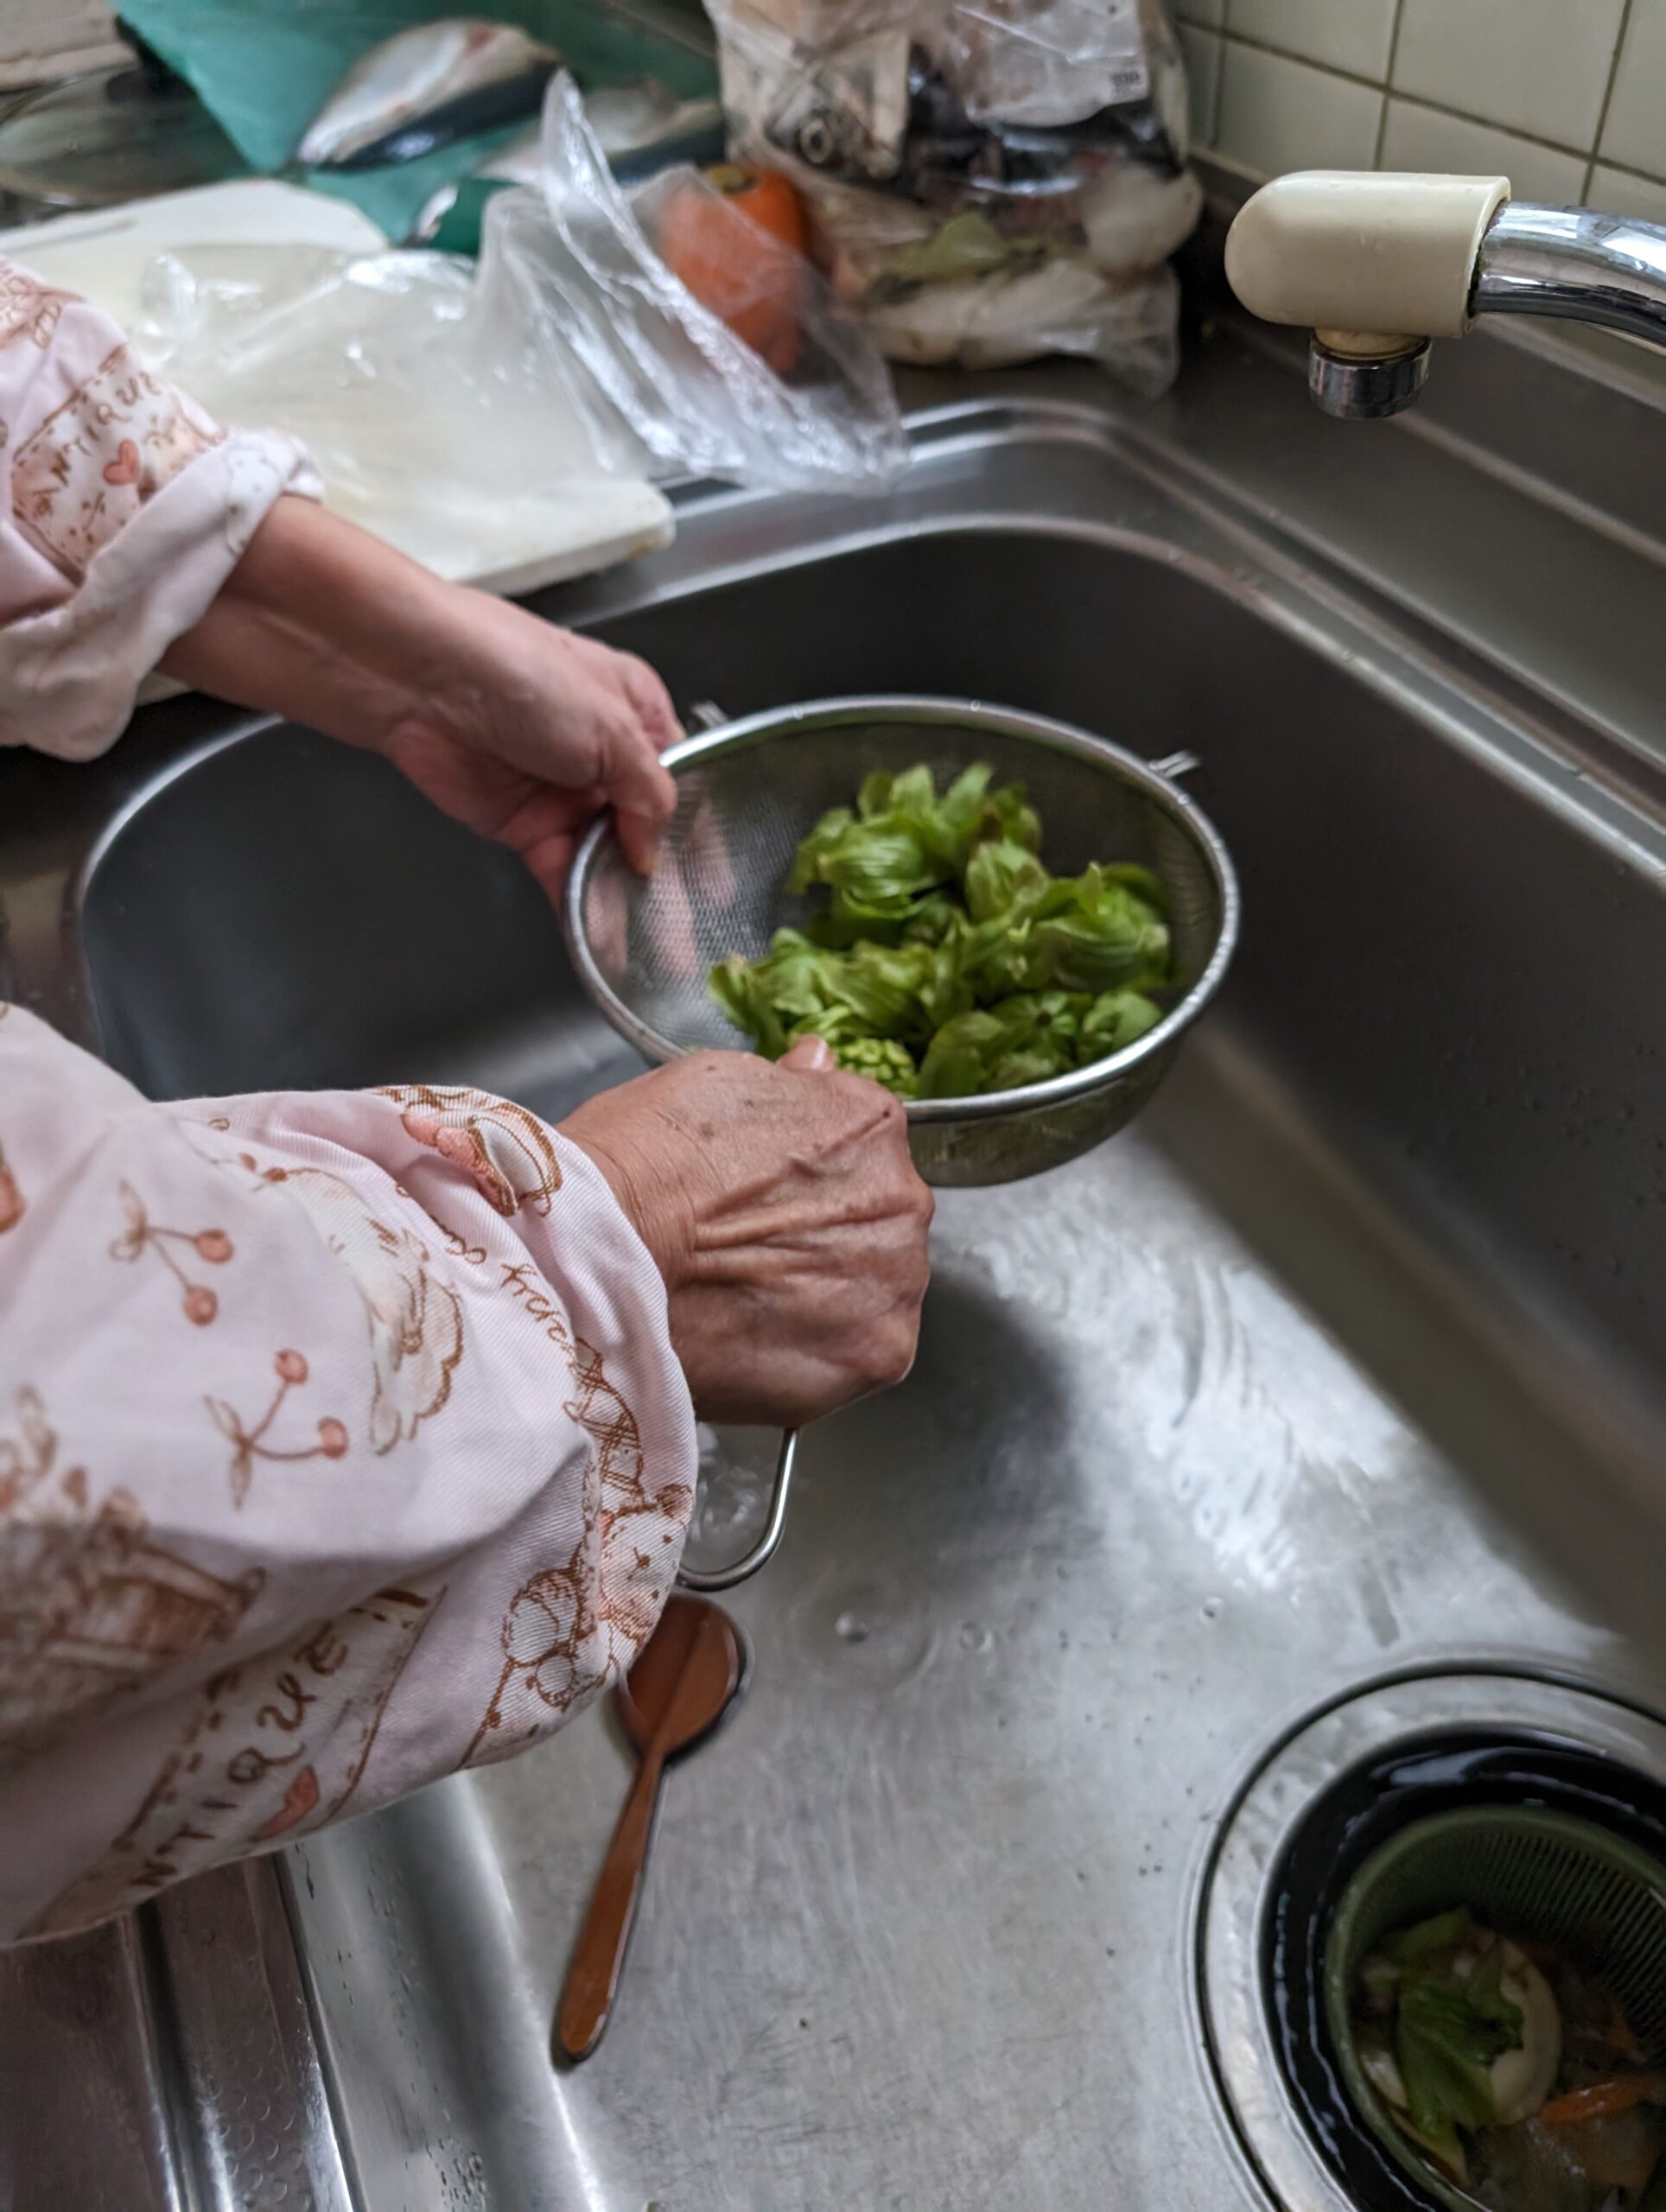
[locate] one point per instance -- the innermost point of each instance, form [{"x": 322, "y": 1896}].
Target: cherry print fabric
[
  {"x": 342, "y": 1445},
  {"x": 124, "y": 510}
]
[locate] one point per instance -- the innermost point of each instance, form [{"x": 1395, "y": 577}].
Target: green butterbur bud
[{"x": 943, "y": 959}]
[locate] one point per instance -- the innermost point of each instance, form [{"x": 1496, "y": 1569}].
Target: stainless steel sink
[{"x": 1347, "y": 1362}]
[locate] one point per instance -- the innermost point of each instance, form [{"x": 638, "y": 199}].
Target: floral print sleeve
[
  {"x": 342, "y": 1444},
  {"x": 123, "y": 510}
]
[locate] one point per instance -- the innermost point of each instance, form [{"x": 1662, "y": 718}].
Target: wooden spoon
[{"x": 684, "y": 1680}]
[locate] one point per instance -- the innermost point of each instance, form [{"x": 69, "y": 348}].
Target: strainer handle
[
  {"x": 706, "y": 715},
  {"x": 1174, "y": 765},
  {"x": 725, "y": 1578}
]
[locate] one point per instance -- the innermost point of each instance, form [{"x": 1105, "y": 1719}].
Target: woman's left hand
[
  {"x": 522, "y": 731},
  {"x": 531, "y": 730}
]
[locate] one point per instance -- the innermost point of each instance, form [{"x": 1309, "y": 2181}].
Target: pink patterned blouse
[{"x": 342, "y": 1444}]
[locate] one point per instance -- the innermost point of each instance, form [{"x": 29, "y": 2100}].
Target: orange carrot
[
  {"x": 755, "y": 289},
  {"x": 1603, "y": 2099}
]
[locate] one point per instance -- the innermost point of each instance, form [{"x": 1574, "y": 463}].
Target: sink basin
[{"x": 1345, "y": 1363}]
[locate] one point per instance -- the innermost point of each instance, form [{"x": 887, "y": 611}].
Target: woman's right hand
[{"x": 785, "y": 1214}]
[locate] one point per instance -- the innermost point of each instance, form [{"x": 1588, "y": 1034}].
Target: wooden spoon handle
[{"x": 592, "y": 1977}]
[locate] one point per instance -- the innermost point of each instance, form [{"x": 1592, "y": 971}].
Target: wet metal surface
[{"x": 1346, "y": 1359}]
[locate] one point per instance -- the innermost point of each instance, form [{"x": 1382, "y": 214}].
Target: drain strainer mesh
[{"x": 1530, "y": 1873}]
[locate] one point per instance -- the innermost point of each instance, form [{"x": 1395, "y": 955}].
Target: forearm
[
  {"x": 518, "y": 728},
  {"x": 135, "y": 532},
  {"x": 324, "y": 624}
]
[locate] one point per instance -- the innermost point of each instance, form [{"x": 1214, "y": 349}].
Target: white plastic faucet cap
[{"x": 1360, "y": 250}]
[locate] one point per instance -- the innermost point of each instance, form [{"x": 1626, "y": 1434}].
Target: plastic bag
[
  {"x": 504, "y": 422},
  {"x": 989, "y": 180},
  {"x": 444, "y": 431},
  {"x": 663, "y": 381}
]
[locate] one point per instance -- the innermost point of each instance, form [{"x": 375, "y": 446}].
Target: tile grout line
[
  {"x": 1592, "y": 158},
  {"x": 1624, "y": 25},
  {"x": 1388, "y": 82},
  {"x": 1630, "y": 168},
  {"x": 1288, "y": 53},
  {"x": 1412, "y": 99},
  {"x": 1486, "y": 122}
]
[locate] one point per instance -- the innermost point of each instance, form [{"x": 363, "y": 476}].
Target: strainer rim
[{"x": 931, "y": 711}]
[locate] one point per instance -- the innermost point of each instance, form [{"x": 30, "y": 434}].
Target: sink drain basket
[{"x": 1542, "y": 1875}]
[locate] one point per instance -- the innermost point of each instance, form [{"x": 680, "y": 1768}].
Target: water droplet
[
  {"x": 850, "y": 1628},
  {"x": 1212, "y": 1608}
]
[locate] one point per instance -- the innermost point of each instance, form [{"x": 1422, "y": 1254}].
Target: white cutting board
[
  {"x": 103, "y": 252},
  {"x": 510, "y": 545}
]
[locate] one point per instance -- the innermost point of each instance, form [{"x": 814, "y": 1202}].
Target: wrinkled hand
[
  {"x": 530, "y": 730},
  {"x": 784, "y": 1211}
]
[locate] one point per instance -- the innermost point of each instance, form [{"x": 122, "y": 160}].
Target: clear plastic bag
[
  {"x": 447, "y": 434},
  {"x": 661, "y": 379},
  {"x": 991, "y": 180},
  {"x": 505, "y": 421}
]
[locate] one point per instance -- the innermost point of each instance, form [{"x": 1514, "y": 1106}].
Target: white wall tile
[
  {"x": 1636, "y": 129},
  {"x": 1277, "y": 114},
  {"x": 1539, "y": 66},
  {"x": 1622, "y": 194},
  {"x": 1423, "y": 138},
  {"x": 1343, "y": 34},
  {"x": 1203, "y": 69},
  {"x": 1211, "y": 14}
]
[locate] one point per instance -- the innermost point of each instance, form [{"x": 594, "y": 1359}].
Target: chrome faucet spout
[{"x": 1576, "y": 263}]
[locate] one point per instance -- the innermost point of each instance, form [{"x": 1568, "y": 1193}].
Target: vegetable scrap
[
  {"x": 947, "y": 960},
  {"x": 1518, "y": 2077}
]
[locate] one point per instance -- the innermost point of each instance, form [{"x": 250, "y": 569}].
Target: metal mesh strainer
[{"x": 748, "y": 792}]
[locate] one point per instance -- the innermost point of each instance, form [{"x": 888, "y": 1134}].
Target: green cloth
[
  {"x": 264, "y": 68},
  {"x": 459, "y": 227},
  {"x": 394, "y": 197}
]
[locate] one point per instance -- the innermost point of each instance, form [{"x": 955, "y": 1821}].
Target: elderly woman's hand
[
  {"x": 785, "y": 1213},
  {"x": 519, "y": 729}
]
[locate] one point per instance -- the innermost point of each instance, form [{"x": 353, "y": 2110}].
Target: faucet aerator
[{"x": 1359, "y": 387}]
